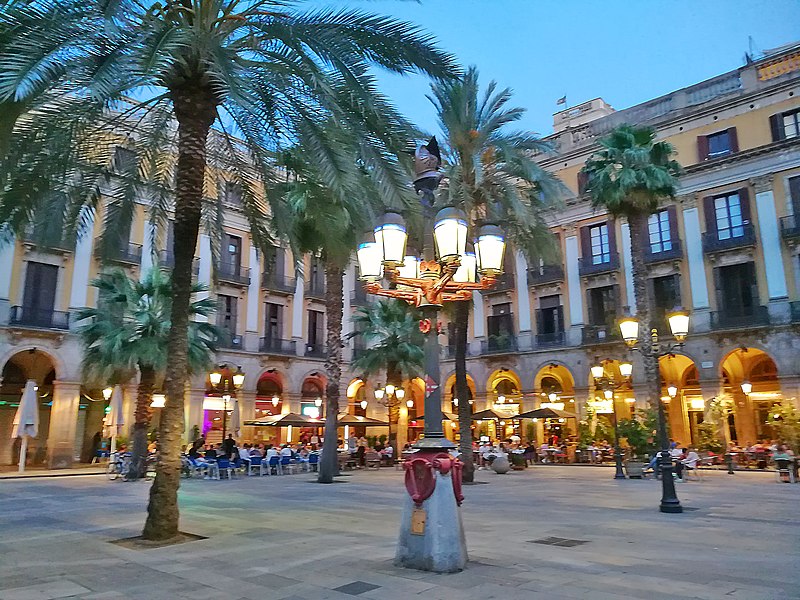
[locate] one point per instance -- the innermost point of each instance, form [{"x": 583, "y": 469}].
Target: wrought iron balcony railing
[
  {"x": 278, "y": 283},
  {"x": 231, "y": 273},
  {"x": 499, "y": 344},
  {"x": 315, "y": 288},
  {"x": 757, "y": 316},
  {"x": 43, "y": 318},
  {"x": 674, "y": 253},
  {"x": 587, "y": 265},
  {"x": 166, "y": 260},
  {"x": 790, "y": 227},
  {"x": 229, "y": 340},
  {"x": 503, "y": 283},
  {"x": 127, "y": 254},
  {"x": 600, "y": 334},
  {"x": 545, "y": 274},
  {"x": 551, "y": 340},
  {"x": 270, "y": 345},
  {"x": 712, "y": 242},
  {"x": 316, "y": 350}
]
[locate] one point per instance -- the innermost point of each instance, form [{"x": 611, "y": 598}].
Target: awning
[
  {"x": 358, "y": 420},
  {"x": 284, "y": 420},
  {"x": 493, "y": 415},
  {"x": 546, "y": 413}
]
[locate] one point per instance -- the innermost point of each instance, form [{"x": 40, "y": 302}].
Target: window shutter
[
  {"x": 794, "y": 193},
  {"x": 586, "y": 244},
  {"x": 672, "y": 215},
  {"x": 744, "y": 201},
  {"x": 583, "y": 180},
  {"x": 711, "y": 217},
  {"x": 560, "y": 314},
  {"x": 702, "y": 148},
  {"x": 733, "y": 139},
  {"x": 539, "y": 322},
  {"x": 718, "y": 289},
  {"x": 612, "y": 236},
  {"x": 776, "y": 127}
]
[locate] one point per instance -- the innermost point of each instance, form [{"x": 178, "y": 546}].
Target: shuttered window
[
  {"x": 728, "y": 212},
  {"x": 658, "y": 226},
  {"x": 717, "y": 144},
  {"x": 785, "y": 125},
  {"x": 598, "y": 237}
]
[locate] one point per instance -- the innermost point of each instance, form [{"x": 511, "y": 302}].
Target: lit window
[
  {"x": 599, "y": 242},
  {"x": 791, "y": 124},
  {"x": 660, "y": 235},
  {"x": 728, "y": 211}
]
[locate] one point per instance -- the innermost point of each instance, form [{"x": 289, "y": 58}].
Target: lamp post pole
[{"x": 609, "y": 386}]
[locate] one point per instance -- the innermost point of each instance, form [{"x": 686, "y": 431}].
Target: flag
[
  {"x": 430, "y": 385},
  {"x": 562, "y": 100}
]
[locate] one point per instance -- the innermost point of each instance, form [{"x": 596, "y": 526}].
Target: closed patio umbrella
[
  {"x": 115, "y": 419},
  {"x": 26, "y": 421},
  {"x": 236, "y": 420}
]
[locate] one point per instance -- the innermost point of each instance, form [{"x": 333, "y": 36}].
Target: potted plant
[{"x": 638, "y": 440}]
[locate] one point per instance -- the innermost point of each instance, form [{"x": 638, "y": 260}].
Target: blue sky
[{"x": 625, "y": 51}]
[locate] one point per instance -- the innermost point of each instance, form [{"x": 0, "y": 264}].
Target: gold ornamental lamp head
[
  {"x": 678, "y": 321},
  {"x": 597, "y": 370},
  {"x": 400, "y": 393},
  {"x": 629, "y": 329},
  {"x": 450, "y": 234},
  {"x": 107, "y": 393},
  {"x": 275, "y": 401},
  {"x": 467, "y": 270},
  {"x": 238, "y": 378},
  {"x": 608, "y": 393},
  {"x": 317, "y": 401},
  {"x": 409, "y": 268},
  {"x": 747, "y": 387},
  {"x": 370, "y": 257},
  {"x": 391, "y": 236},
  {"x": 410, "y": 403},
  {"x": 490, "y": 248},
  {"x": 625, "y": 369},
  {"x": 672, "y": 390},
  {"x": 379, "y": 393},
  {"x": 215, "y": 377}
]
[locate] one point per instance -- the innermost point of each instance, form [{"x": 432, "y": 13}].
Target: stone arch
[
  {"x": 449, "y": 393},
  {"x": 57, "y": 363},
  {"x": 315, "y": 374}
]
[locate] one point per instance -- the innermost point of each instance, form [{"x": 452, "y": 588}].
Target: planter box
[{"x": 635, "y": 469}]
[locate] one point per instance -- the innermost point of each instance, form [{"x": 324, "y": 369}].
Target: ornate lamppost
[
  {"x": 431, "y": 532},
  {"x": 390, "y": 396},
  {"x": 227, "y": 384},
  {"x": 679, "y": 325},
  {"x": 609, "y": 385}
]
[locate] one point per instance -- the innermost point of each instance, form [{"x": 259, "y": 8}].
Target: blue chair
[
  {"x": 225, "y": 466},
  {"x": 286, "y": 463},
  {"x": 274, "y": 463},
  {"x": 255, "y": 461},
  {"x": 313, "y": 461}
]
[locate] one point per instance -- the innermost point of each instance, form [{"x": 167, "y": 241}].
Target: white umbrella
[
  {"x": 235, "y": 423},
  {"x": 115, "y": 417},
  {"x": 26, "y": 421}
]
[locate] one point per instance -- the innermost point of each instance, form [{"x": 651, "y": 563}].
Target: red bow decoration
[{"x": 425, "y": 325}]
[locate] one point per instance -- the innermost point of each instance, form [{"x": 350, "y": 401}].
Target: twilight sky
[{"x": 625, "y": 51}]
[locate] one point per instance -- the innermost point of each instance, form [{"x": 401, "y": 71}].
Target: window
[
  {"x": 231, "y": 192},
  {"x": 226, "y": 313},
  {"x": 500, "y": 326},
  {"x": 549, "y": 318},
  {"x": 232, "y": 254},
  {"x": 603, "y": 306},
  {"x": 719, "y": 144},
  {"x": 39, "y": 296},
  {"x": 785, "y": 125},
  {"x": 665, "y": 295},
  {"x": 598, "y": 236},
  {"x": 728, "y": 213},
  {"x": 124, "y": 160},
  {"x": 273, "y": 314},
  {"x": 737, "y": 291},
  {"x": 316, "y": 328},
  {"x": 659, "y": 231}
]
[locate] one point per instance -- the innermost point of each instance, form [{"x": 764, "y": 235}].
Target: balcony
[
  {"x": 503, "y": 283},
  {"x": 316, "y": 350},
  {"x": 40, "y": 318},
  {"x": 587, "y": 267},
  {"x": 269, "y": 345},
  {"x": 712, "y": 243},
  {"x": 790, "y": 228},
  {"x": 233, "y": 274},
  {"x": 229, "y": 340},
  {"x": 358, "y": 297},
  {"x": 315, "y": 288},
  {"x": 499, "y": 344},
  {"x": 551, "y": 340},
  {"x": 278, "y": 283},
  {"x": 126, "y": 254},
  {"x": 758, "y": 316},
  {"x": 166, "y": 260},
  {"x": 674, "y": 253},
  {"x": 600, "y": 334},
  {"x": 545, "y": 274},
  {"x": 61, "y": 246}
]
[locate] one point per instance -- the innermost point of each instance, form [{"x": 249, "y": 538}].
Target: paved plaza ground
[{"x": 287, "y": 538}]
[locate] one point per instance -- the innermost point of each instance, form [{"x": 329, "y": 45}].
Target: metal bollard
[{"x": 729, "y": 462}]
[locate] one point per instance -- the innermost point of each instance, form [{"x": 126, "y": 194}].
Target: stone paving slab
[{"x": 285, "y": 538}]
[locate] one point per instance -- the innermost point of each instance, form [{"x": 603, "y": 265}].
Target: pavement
[{"x": 547, "y": 532}]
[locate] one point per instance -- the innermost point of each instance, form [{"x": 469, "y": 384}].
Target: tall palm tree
[
  {"x": 129, "y": 330},
  {"x": 328, "y": 210},
  {"x": 629, "y": 176},
  {"x": 224, "y": 83},
  {"x": 393, "y": 342},
  {"x": 491, "y": 173}
]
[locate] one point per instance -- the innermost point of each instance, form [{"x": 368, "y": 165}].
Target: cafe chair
[
  {"x": 255, "y": 461},
  {"x": 783, "y": 471}
]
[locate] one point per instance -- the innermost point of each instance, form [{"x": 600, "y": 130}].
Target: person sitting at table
[
  {"x": 691, "y": 459},
  {"x": 257, "y": 450},
  {"x": 244, "y": 455},
  {"x": 210, "y": 453},
  {"x": 387, "y": 454},
  {"x": 543, "y": 451},
  {"x": 286, "y": 450},
  {"x": 272, "y": 451}
]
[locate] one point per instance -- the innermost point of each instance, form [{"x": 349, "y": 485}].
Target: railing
[
  {"x": 271, "y": 345},
  {"x": 358, "y": 297},
  {"x": 674, "y": 253},
  {"x": 450, "y": 351},
  {"x": 316, "y": 350},
  {"x": 586, "y": 265},
  {"x": 229, "y": 340},
  {"x": 45, "y": 318},
  {"x": 725, "y": 319},
  {"x": 550, "y": 340},
  {"x": 600, "y": 334},
  {"x": 713, "y": 243},
  {"x": 503, "y": 283},
  {"x": 235, "y": 274},
  {"x": 499, "y": 344},
  {"x": 46, "y": 245},
  {"x": 794, "y": 311},
  {"x": 545, "y": 274},
  {"x": 129, "y": 254},
  {"x": 315, "y": 288},
  {"x": 166, "y": 260},
  {"x": 278, "y": 283},
  {"x": 790, "y": 227}
]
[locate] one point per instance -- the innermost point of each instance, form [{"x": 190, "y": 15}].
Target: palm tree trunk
[
  {"x": 334, "y": 303},
  {"x": 195, "y": 111},
  {"x": 461, "y": 324},
  {"x": 141, "y": 420},
  {"x": 394, "y": 377},
  {"x": 638, "y": 224}
]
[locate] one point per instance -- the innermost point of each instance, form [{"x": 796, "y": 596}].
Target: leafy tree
[
  {"x": 639, "y": 438},
  {"x": 708, "y": 438},
  {"x": 629, "y": 176},
  {"x": 213, "y": 85},
  {"x": 393, "y": 342},
  {"x": 129, "y": 330},
  {"x": 491, "y": 173},
  {"x": 785, "y": 420}
]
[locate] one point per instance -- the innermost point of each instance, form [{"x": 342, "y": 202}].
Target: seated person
[
  {"x": 244, "y": 454},
  {"x": 286, "y": 450},
  {"x": 272, "y": 451}
]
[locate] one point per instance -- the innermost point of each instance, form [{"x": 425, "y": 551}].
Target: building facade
[{"x": 727, "y": 249}]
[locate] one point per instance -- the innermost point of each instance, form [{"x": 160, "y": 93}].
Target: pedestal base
[{"x": 442, "y": 547}]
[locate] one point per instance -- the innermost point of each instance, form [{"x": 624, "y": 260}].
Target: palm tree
[
  {"x": 491, "y": 173},
  {"x": 129, "y": 330},
  {"x": 393, "y": 342},
  {"x": 225, "y": 83},
  {"x": 629, "y": 176}
]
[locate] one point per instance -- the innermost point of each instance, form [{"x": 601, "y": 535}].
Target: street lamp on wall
[{"x": 747, "y": 387}]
